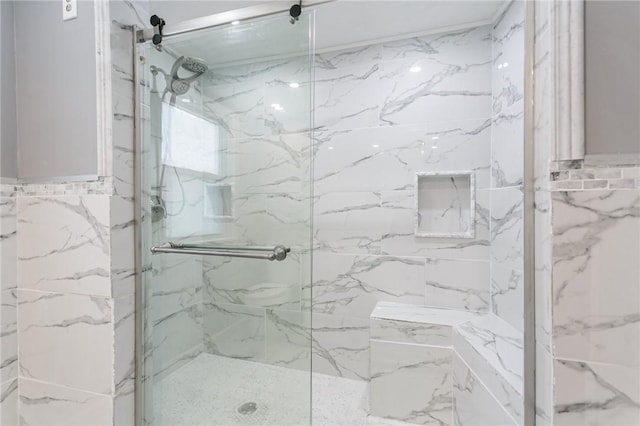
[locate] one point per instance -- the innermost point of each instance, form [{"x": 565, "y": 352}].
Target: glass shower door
[{"x": 226, "y": 229}]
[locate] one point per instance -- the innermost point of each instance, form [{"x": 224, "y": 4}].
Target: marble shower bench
[{"x": 423, "y": 358}]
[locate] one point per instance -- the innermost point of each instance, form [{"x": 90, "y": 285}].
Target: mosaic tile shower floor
[{"x": 209, "y": 390}]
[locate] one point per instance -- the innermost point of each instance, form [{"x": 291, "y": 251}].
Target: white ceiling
[{"x": 338, "y": 23}]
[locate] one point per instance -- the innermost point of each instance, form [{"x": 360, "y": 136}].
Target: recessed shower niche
[{"x": 445, "y": 204}]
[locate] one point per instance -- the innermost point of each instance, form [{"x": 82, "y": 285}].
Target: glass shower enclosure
[{"x": 225, "y": 147}]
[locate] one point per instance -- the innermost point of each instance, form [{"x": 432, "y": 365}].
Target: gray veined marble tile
[
  {"x": 422, "y": 325},
  {"x": 245, "y": 282},
  {"x": 464, "y": 44},
  {"x": 347, "y": 97},
  {"x": 9, "y": 402},
  {"x": 352, "y": 285},
  {"x": 596, "y": 394},
  {"x": 494, "y": 352},
  {"x": 64, "y": 244},
  {"x": 596, "y": 247},
  {"x": 45, "y": 403},
  {"x": 458, "y": 284},
  {"x": 341, "y": 346},
  {"x": 396, "y": 367},
  {"x": 8, "y": 239},
  {"x": 238, "y": 109},
  {"x": 399, "y": 239},
  {"x": 334, "y": 59},
  {"x": 507, "y": 295},
  {"x": 473, "y": 404},
  {"x": 77, "y": 332},
  {"x": 507, "y": 227},
  {"x": 177, "y": 338},
  {"x": 8, "y": 335},
  {"x": 437, "y": 85},
  {"x": 235, "y": 331},
  {"x": 507, "y": 148},
  {"x": 348, "y": 222},
  {"x": 288, "y": 339}
]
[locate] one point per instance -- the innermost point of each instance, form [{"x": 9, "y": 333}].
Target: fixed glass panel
[{"x": 225, "y": 126}]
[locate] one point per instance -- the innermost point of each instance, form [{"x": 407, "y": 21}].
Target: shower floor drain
[{"x": 248, "y": 408}]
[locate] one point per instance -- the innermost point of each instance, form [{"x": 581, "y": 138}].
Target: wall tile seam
[
  {"x": 64, "y": 293},
  {"x": 44, "y": 382},
  {"x": 604, "y": 364}
]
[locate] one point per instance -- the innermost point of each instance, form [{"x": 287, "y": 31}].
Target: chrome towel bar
[{"x": 278, "y": 252}]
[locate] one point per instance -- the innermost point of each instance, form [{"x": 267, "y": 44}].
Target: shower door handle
[{"x": 278, "y": 252}]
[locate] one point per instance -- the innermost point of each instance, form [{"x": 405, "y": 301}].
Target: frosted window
[{"x": 190, "y": 142}]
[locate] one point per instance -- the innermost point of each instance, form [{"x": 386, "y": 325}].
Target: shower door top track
[{"x": 219, "y": 19}]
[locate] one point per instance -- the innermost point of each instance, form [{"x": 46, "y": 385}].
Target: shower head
[
  {"x": 180, "y": 85},
  {"x": 194, "y": 65}
]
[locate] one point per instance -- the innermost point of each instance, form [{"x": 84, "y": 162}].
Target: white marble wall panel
[
  {"x": 473, "y": 404},
  {"x": 507, "y": 295},
  {"x": 176, "y": 284},
  {"x": 51, "y": 405},
  {"x": 8, "y": 243},
  {"x": 347, "y": 97},
  {"x": 8, "y": 308},
  {"x": 424, "y": 370},
  {"x": 352, "y": 285},
  {"x": 121, "y": 239},
  {"x": 273, "y": 165},
  {"x": 124, "y": 357},
  {"x": 9, "y": 402},
  {"x": 494, "y": 352},
  {"x": 350, "y": 222},
  {"x": 8, "y": 335},
  {"x": 420, "y": 90},
  {"x": 411, "y": 332},
  {"x": 508, "y": 97},
  {"x": 66, "y": 339},
  {"x": 236, "y": 331},
  {"x": 458, "y": 284},
  {"x": 507, "y": 227},
  {"x": 288, "y": 339},
  {"x": 596, "y": 394},
  {"x": 64, "y": 244},
  {"x": 341, "y": 346},
  {"x": 174, "y": 335},
  {"x": 398, "y": 238},
  {"x": 596, "y": 297},
  {"x": 238, "y": 108},
  {"x": 253, "y": 283},
  {"x": 347, "y": 159},
  {"x": 268, "y": 219},
  {"x": 545, "y": 385}
]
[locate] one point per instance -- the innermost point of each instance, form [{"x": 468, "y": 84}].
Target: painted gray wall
[
  {"x": 612, "y": 77},
  {"x": 8, "y": 134},
  {"x": 56, "y": 91}
]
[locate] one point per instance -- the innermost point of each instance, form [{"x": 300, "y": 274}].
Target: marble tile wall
[
  {"x": 8, "y": 306},
  {"x": 507, "y": 162},
  {"x": 75, "y": 265},
  {"x": 596, "y": 306},
  {"x": 587, "y": 302},
  {"x": 258, "y": 310},
  {"x": 416, "y": 105}
]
